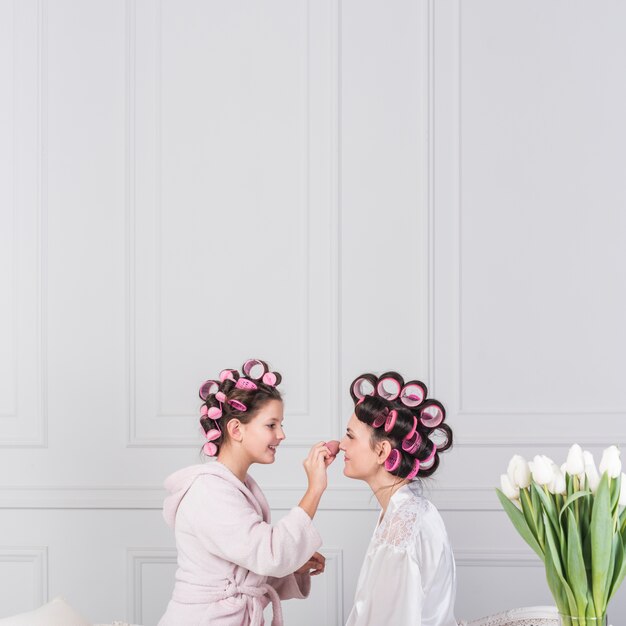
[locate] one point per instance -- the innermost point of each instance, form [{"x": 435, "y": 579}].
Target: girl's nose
[{"x": 281, "y": 434}]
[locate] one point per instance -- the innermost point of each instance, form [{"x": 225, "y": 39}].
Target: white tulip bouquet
[{"x": 574, "y": 518}]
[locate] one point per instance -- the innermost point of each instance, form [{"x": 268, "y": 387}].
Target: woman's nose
[{"x": 342, "y": 444}]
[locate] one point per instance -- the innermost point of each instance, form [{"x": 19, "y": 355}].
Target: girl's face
[
  {"x": 360, "y": 461},
  {"x": 263, "y": 433}
]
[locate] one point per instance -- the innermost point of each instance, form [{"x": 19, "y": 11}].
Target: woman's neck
[
  {"x": 234, "y": 462},
  {"x": 384, "y": 485}
]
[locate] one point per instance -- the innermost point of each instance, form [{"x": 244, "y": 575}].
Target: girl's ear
[
  {"x": 234, "y": 430},
  {"x": 383, "y": 449}
]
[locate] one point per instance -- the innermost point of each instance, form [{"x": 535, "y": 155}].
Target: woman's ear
[
  {"x": 383, "y": 449},
  {"x": 234, "y": 430}
]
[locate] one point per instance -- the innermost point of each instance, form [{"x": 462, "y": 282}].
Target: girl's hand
[
  {"x": 315, "y": 465},
  {"x": 315, "y": 565}
]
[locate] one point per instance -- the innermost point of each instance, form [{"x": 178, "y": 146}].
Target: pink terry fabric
[{"x": 231, "y": 561}]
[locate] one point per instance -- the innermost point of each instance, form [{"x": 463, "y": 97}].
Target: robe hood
[{"x": 178, "y": 483}]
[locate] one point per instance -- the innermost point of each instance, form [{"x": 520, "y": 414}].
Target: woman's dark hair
[
  {"x": 260, "y": 389},
  {"x": 401, "y": 413}
]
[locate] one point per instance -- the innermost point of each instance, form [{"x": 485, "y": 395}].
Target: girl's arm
[
  {"x": 315, "y": 465},
  {"x": 226, "y": 523}
]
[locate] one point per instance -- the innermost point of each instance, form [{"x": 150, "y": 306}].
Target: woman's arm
[{"x": 389, "y": 590}]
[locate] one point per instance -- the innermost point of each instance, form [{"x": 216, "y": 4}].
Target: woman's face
[
  {"x": 263, "y": 433},
  {"x": 360, "y": 461}
]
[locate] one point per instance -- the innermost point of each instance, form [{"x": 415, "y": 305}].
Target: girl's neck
[
  {"x": 384, "y": 485},
  {"x": 234, "y": 462}
]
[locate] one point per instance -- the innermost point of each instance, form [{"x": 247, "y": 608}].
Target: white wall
[{"x": 335, "y": 186}]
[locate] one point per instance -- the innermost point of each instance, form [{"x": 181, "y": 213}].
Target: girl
[
  {"x": 231, "y": 561},
  {"x": 394, "y": 438}
]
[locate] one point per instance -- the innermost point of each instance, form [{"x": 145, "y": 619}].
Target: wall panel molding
[
  {"x": 149, "y": 423},
  {"x": 37, "y": 557},
  {"x": 280, "y": 498},
  {"x": 477, "y": 426},
  {"x": 497, "y": 558},
  {"x": 23, "y": 416},
  {"x": 137, "y": 560}
]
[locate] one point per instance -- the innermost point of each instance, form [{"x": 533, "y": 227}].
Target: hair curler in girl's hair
[{"x": 207, "y": 388}]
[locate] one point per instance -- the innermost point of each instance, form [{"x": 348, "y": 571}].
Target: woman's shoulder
[{"x": 415, "y": 518}]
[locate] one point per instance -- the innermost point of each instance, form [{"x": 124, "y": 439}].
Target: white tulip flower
[
  {"x": 508, "y": 489},
  {"x": 611, "y": 462},
  {"x": 575, "y": 464},
  {"x": 518, "y": 472},
  {"x": 542, "y": 470},
  {"x": 593, "y": 478},
  {"x": 557, "y": 484},
  {"x": 622, "y": 491}
]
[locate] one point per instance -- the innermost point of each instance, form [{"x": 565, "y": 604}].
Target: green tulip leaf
[
  {"x": 572, "y": 499},
  {"x": 553, "y": 563},
  {"x": 517, "y": 517},
  {"x": 576, "y": 572},
  {"x": 601, "y": 543}
]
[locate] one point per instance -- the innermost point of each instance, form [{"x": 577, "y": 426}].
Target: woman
[{"x": 393, "y": 439}]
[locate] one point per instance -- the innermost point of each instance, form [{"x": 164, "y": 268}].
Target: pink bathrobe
[{"x": 231, "y": 561}]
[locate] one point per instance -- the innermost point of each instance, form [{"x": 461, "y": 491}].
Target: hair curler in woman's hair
[{"x": 402, "y": 414}]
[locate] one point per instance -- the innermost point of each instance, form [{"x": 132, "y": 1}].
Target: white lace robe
[{"x": 408, "y": 575}]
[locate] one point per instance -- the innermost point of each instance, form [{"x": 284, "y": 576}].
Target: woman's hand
[
  {"x": 315, "y": 565},
  {"x": 315, "y": 464}
]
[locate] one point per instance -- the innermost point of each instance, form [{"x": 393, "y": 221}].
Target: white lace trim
[{"x": 399, "y": 528}]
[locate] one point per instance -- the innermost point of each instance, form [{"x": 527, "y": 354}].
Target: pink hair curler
[
  {"x": 251, "y": 366},
  {"x": 393, "y": 460},
  {"x": 429, "y": 460},
  {"x": 207, "y": 388},
  {"x": 432, "y": 414},
  {"x": 413, "y": 393},
  {"x": 239, "y": 406},
  {"x": 381, "y": 418},
  {"x": 214, "y": 413},
  {"x": 269, "y": 378},
  {"x": 391, "y": 420},
  {"x": 388, "y": 388},
  {"x": 213, "y": 434},
  {"x": 363, "y": 386},
  {"x": 209, "y": 448},
  {"x": 440, "y": 437},
  {"x": 227, "y": 375},
  {"x": 204, "y": 411},
  {"x": 411, "y": 444},
  {"x": 247, "y": 385},
  {"x": 416, "y": 468},
  {"x": 220, "y": 396},
  {"x": 412, "y": 431},
  {"x": 360, "y": 401}
]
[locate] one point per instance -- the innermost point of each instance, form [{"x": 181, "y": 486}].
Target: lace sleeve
[{"x": 399, "y": 529}]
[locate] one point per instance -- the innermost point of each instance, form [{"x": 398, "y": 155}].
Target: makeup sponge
[{"x": 333, "y": 446}]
